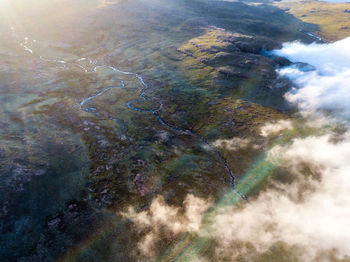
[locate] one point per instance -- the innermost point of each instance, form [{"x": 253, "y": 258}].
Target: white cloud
[
  {"x": 173, "y": 219},
  {"x": 275, "y": 127},
  {"x": 233, "y": 144},
  {"x": 320, "y": 222},
  {"x": 326, "y": 87}
]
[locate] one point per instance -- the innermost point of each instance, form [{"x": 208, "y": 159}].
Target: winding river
[{"x": 143, "y": 97}]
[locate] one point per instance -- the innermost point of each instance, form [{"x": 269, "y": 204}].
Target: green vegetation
[
  {"x": 333, "y": 21},
  {"x": 203, "y": 60}
]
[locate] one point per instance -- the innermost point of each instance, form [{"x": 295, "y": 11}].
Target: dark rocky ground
[{"x": 204, "y": 60}]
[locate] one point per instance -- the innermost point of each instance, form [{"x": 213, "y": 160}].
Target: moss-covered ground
[
  {"x": 203, "y": 60},
  {"x": 332, "y": 19}
]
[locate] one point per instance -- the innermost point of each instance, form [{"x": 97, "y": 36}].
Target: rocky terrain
[{"x": 113, "y": 104}]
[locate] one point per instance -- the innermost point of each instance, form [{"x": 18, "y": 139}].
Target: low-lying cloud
[
  {"x": 310, "y": 215},
  {"x": 275, "y": 127},
  {"x": 233, "y": 144},
  {"x": 325, "y": 87},
  {"x": 163, "y": 220}
]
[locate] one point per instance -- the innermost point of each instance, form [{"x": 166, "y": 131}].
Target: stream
[{"x": 142, "y": 96}]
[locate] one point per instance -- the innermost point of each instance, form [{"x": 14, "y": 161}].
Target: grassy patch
[{"x": 333, "y": 21}]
